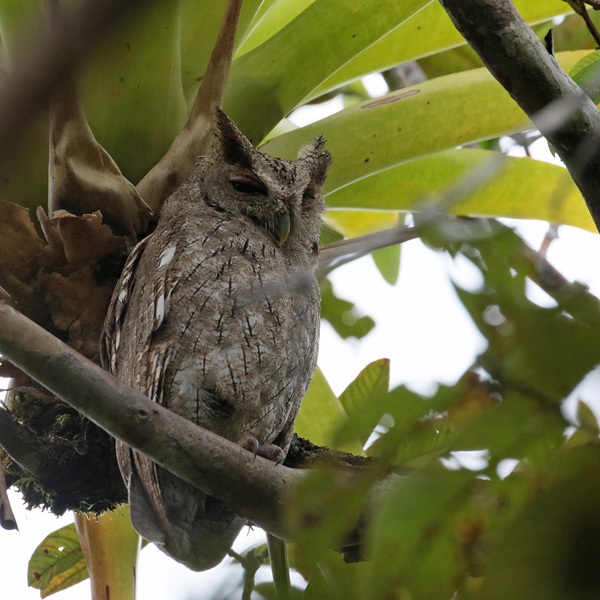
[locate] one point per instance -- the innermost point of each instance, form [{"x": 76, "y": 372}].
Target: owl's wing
[
  {"x": 140, "y": 474},
  {"x": 110, "y": 340},
  {"x": 193, "y": 528}
]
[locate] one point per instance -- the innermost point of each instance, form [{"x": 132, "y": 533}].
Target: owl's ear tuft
[
  {"x": 317, "y": 158},
  {"x": 313, "y": 147},
  {"x": 231, "y": 143}
]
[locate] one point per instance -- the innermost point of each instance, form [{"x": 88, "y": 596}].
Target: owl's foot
[{"x": 268, "y": 451}]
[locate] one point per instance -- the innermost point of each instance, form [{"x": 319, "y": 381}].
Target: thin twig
[{"x": 279, "y": 566}]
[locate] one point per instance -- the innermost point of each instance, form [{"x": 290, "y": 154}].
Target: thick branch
[
  {"x": 253, "y": 486},
  {"x": 554, "y": 102}
]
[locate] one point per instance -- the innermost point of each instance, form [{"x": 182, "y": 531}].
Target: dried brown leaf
[
  {"x": 19, "y": 242},
  {"x": 85, "y": 239},
  {"x": 54, "y": 250},
  {"x": 77, "y": 306},
  {"x": 83, "y": 177}
]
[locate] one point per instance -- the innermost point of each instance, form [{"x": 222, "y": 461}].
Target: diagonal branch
[
  {"x": 253, "y": 486},
  {"x": 552, "y": 100}
]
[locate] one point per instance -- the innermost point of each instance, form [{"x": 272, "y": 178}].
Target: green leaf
[
  {"x": 372, "y": 382},
  {"x": 458, "y": 59},
  {"x": 415, "y": 545},
  {"x": 587, "y": 418},
  {"x": 329, "y": 235},
  {"x": 551, "y": 548},
  {"x": 272, "y": 21},
  {"x": 271, "y": 80},
  {"x": 334, "y": 579},
  {"x": 321, "y": 412},
  {"x": 57, "y": 563},
  {"x": 586, "y": 74},
  {"x": 387, "y": 261},
  {"x": 546, "y": 351},
  {"x": 427, "y": 32},
  {"x": 342, "y": 314},
  {"x": 411, "y": 123},
  {"x": 404, "y": 410},
  {"x": 353, "y": 223},
  {"x": 521, "y": 188},
  {"x": 198, "y": 27}
]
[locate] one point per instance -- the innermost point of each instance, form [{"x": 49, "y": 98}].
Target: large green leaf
[
  {"x": 273, "y": 21},
  {"x": 373, "y": 381},
  {"x": 199, "y": 25},
  {"x": 268, "y": 82},
  {"x": 412, "y": 123},
  {"x": 521, "y": 188},
  {"x": 415, "y": 540},
  {"x": 426, "y": 32},
  {"x": 133, "y": 80},
  {"x": 551, "y": 548}
]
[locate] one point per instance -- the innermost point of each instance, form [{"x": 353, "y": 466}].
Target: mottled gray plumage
[{"x": 216, "y": 317}]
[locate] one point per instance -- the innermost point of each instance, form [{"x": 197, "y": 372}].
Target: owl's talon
[
  {"x": 269, "y": 451},
  {"x": 251, "y": 444}
]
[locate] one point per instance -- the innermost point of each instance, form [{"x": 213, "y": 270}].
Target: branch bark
[
  {"x": 253, "y": 486},
  {"x": 553, "y": 101}
]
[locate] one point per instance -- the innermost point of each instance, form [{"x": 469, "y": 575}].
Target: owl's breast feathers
[{"x": 211, "y": 319}]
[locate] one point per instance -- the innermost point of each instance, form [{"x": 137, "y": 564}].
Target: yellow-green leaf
[
  {"x": 321, "y": 413},
  {"x": 372, "y": 382},
  {"x": 268, "y": 82},
  {"x": 521, "y": 188},
  {"x": 427, "y": 32},
  {"x": 58, "y": 561}
]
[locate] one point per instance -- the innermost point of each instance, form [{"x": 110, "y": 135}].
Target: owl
[{"x": 216, "y": 317}]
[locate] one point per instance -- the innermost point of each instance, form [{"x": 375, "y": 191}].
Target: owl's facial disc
[{"x": 277, "y": 225}]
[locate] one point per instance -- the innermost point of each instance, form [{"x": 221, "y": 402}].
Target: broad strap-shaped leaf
[
  {"x": 412, "y": 123},
  {"x": 427, "y": 32},
  {"x": 268, "y": 82},
  {"x": 195, "y": 138},
  {"x": 111, "y": 547},
  {"x": 521, "y": 188}
]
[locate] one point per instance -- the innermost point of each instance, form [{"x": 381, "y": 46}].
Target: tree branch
[
  {"x": 253, "y": 486},
  {"x": 552, "y": 100}
]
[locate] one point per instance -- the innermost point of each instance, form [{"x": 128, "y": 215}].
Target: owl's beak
[{"x": 283, "y": 226}]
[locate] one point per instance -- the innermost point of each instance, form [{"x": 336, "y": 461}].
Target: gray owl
[{"x": 216, "y": 317}]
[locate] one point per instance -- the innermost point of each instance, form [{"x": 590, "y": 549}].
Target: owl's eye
[{"x": 245, "y": 187}]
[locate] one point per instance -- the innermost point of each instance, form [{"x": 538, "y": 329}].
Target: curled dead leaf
[
  {"x": 77, "y": 306},
  {"x": 83, "y": 177},
  {"x": 20, "y": 243},
  {"x": 85, "y": 239}
]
